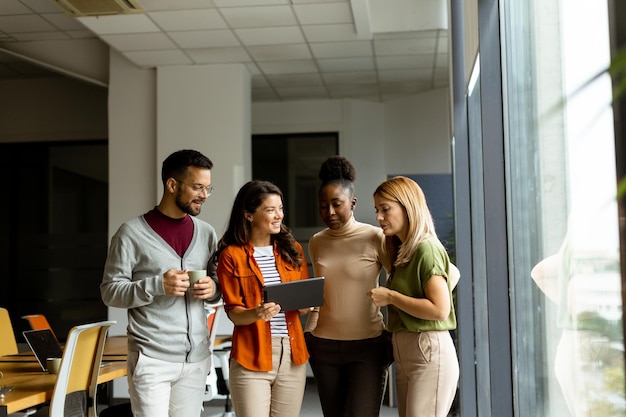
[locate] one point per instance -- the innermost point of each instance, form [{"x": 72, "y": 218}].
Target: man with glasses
[{"x": 146, "y": 273}]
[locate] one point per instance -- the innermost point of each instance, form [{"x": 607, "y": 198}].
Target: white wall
[
  {"x": 417, "y": 134},
  {"x": 406, "y": 136},
  {"x": 207, "y": 107}
]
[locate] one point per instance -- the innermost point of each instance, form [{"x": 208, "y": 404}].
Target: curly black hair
[{"x": 337, "y": 170}]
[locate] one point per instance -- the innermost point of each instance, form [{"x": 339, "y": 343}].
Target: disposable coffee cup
[
  {"x": 195, "y": 276},
  {"x": 53, "y": 365}
]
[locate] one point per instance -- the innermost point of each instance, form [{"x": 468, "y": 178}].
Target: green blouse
[{"x": 429, "y": 259}]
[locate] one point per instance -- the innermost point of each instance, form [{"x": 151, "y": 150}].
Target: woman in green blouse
[{"x": 419, "y": 299}]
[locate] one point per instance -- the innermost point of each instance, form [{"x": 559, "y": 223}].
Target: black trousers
[{"x": 350, "y": 375}]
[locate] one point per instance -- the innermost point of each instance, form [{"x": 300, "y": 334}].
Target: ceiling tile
[
  {"x": 442, "y": 61},
  {"x": 355, "y": 90},
  {"x": 405, "y": 75},
  {"x": 63, "y": 21},
  {"x": 259, "y": 81},
  {"x": 263, "y": 53},
  {"x": 127, "y": 23},
  {"x": 330, "y": 33},
  {"x": 288, "y": 67},
  {"x": 302, "y": 93},
  {"x": 152, "y": 5},
  {"x": 218, "y": 55},
  {"x": 237, "y": 3},
  {"x": 323, "y": 13},
  {"x": 188, "y": 19},
  {"x": 41, "y": 6},
  {"x": 338, "y": 78},
  {"x": 405, "y": 61},
  {"x": 205, "y": 38},
  {"x": 270, "y": 36},
  {"x": 156, "y": 58},
  {"x": 294, "y": 80},
  {"x": 346, "y": 64},
  {"x": 12, "y": 7},
  {"x": 414, "y": 34},
  {"x": 41, "y": 36},
  {"x": 139, "y": 41},
  {"x": 401, "y": 88},
  {"x": 405, "y": 46},
  {"x": 24, "y": 23},
  {"x": 341, "y": 49},
  {"x": 253, "y": 68},
  {"x": 80, "y": 34},
  {"x": 264, "y": 94},
  {"x": 318, "y": 1},
  {"x": 250, "y": 17}
]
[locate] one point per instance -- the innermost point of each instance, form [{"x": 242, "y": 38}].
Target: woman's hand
[
  {"x": 266, "y": 311},
  {"x": 381, "y": 296}
]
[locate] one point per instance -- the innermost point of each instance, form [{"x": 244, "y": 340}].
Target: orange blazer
[{"x": 241, "y": 283}]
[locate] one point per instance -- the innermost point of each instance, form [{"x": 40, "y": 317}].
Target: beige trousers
[
  {"x": 277, "y": 393},
  {"x": 427, "y": 373}
]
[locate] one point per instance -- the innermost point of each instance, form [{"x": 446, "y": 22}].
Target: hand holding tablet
[{"x": 295, "y": 295}]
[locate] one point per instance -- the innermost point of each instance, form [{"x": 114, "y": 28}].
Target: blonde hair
[{"x": 410, "y": 196}]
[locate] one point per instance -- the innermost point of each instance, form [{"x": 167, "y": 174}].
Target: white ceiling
[{"x": 294, "y": 49}]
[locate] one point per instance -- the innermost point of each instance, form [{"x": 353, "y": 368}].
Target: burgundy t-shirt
[{"x": 176, "y": 232}]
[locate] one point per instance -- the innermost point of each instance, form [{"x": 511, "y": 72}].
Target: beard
[{"x": 186, "y": 207}]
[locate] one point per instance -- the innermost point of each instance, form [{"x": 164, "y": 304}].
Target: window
[
  {"x": 563, "y": 223},
  {"x": 292, "y": 162}
]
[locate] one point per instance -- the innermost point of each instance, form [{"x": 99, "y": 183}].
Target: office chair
[
  {"x": 8, "y": 344},
  {"x": 38, "y": 322},
  {"x": 217, "y": 379},
  {"x": 75, "y": 390},
  {"x": 222, "y": 374}
]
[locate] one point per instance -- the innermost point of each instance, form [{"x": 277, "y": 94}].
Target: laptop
[
  {"x": 294, "y": 295},
  {"x": 44, "y": 345}
]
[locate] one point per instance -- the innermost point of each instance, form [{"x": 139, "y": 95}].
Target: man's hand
[
  {"x": 204, "y": 288},
  {"x": 175, "y": 282}
]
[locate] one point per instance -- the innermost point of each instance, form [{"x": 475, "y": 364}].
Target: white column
[{"x": 207, "y": 108}]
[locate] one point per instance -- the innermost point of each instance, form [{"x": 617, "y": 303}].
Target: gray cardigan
[{"x": 168, "y": 328}]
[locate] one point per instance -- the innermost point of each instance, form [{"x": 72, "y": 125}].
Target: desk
[{"x": 34, "y": 387}]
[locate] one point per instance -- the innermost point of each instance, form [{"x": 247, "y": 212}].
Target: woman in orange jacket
[{"x": 269, "y": 355}]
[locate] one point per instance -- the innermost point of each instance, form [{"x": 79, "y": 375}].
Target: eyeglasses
[{"x": 198, "y": 188}]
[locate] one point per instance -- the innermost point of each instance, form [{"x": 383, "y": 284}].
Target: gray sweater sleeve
[{"x": 124, "y": 285}]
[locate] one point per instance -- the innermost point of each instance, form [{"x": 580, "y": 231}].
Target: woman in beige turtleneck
[{"x": 349, "y": 348}]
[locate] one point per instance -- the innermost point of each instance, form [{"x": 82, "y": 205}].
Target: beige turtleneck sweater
[{"x": 350, "y": 259}]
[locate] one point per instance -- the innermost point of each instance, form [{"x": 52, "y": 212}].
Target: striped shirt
[{"x": 264, "y": 256}]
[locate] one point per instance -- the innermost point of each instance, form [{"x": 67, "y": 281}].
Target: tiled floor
[{"x": 310, "y": 406}]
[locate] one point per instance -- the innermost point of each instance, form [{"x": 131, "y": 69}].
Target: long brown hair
[
  {"x": 410, "y": 196},
  {"x": 248, "y": 199}
]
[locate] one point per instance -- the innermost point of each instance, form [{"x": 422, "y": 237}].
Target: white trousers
[{"x": 165, "y": 389}]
